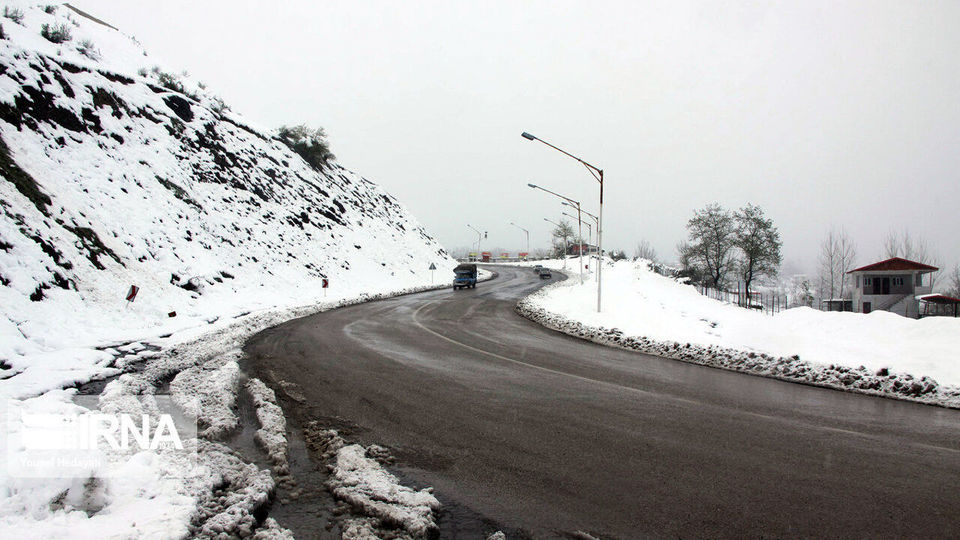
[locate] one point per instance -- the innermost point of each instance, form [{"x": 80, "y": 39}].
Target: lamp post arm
[
  {"x": 593, "y": 170},
  {"x": 554, "y": 193}
]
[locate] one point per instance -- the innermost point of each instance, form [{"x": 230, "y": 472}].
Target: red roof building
[
  {"x": 892, "y": 285},
  {"x": 896, "y": 264}
]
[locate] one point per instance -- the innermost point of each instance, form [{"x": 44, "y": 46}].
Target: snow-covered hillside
[
  {"x": 880, "y": 353},
  {"x": 110, "y": 179}
]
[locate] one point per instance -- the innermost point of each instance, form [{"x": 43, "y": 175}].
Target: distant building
[
  {"x": 574, "y": 249},
  {"x": 892, "y": 285}
]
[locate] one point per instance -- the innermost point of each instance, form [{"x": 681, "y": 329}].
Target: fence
[{"x": 766, "y": 302}]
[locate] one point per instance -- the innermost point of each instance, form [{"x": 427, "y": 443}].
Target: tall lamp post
[
  {"x": 597, "y": 173},
  {"x": 528, "y": 236},
  {"x": 596, "y": 220},
  {"x": 564, "y": 247},
  {"x": 579, "y": 227},
  {"x": 479, "y": 237}
]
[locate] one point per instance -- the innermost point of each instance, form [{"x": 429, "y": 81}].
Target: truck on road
[{"x": 465, "y": 276}]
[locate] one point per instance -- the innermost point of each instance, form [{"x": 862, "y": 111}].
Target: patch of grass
[
  {"x": 56, "y": 34},
  {"x": 14, "y": 14},
  {"x": 87, "y": 48},
  {"x": 311, "y": 144}
]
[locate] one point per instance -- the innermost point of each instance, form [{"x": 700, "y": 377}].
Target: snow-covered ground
[
  {"x": 876, "y": 353},
  {"x": 113, "y": 176}
]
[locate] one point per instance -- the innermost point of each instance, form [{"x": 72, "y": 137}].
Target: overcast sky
[{"x": 823, "y": 113}]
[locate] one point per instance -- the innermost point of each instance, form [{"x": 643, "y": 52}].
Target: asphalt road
[{"x": 551, "y": 434}]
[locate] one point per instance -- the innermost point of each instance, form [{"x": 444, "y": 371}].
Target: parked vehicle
[
  {"x": 545, "y": 273},
  {"x": 465, "y": 276}
]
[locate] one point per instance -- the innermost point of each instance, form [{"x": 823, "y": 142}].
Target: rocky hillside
[{"x": 116, "y": 172}]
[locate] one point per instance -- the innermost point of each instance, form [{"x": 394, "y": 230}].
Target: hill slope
[{"x": 117, "y": 174}]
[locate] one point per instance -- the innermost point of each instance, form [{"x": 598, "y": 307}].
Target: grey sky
[{"x": 844, "y": 113}]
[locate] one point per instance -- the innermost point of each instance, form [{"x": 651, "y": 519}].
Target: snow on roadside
[
  {"x": 366, "y": 485},
  {"x": 879, "y": 354},
  {"x": 215, "y": 383},
  {"x": 153, "y": 494},
  {"x": 358, "y": 479},
  {"x": 273, "y": 425}
]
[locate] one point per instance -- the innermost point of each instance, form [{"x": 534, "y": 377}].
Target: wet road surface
[{"x": 550, "y": 434}]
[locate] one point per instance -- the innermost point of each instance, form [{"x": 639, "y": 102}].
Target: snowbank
[
  {"x": 273, "y": 425},
  {"x": 215, "y": 383},
  {"x": 879, "y": 353},
  {"x": 358, "y": 479}
]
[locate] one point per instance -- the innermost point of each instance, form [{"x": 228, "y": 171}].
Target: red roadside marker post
[
  {"x": 132, "y": 295},
  {"x": 325, "y": 284}
]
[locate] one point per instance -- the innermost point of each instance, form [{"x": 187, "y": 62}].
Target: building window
[
  {"x": 898, "y": 282},
  {"x": 866, "y": 282}
]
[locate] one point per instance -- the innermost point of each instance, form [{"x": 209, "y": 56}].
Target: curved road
[{"x": 551, "y": 434}]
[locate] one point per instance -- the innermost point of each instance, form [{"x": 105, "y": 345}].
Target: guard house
[{"x": 892, "y": 285}]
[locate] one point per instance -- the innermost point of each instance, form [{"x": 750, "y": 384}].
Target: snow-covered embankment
[{"x": 879, "y": 354}]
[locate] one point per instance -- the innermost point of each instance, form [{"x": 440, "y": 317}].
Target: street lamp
[
  {"x": 479, "y": 236},
  {"x": 528, "y": 236},
  {"x": 584, "y": 211},
  {"x": 579, "y": 228},
  {"x": 589, "y": 227},
  {"x": 596, "y": 220},
  {"x": 564, "y": 248},
  {"x": 597, "y": 173}
]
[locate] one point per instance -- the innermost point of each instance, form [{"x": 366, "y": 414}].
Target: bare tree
[
  {"x": 904, "y": 245},
  {"x": 846, "y": 258},
  {"x": 953, "y": 282},
  {"x": 645, "y": 251},
  {"x": 829, "y": 268},
  {"x": 689, "y": 267},
  {"x": 711, "y": 233},
  {"x": 838, "y": 255},
  {"x": 460, "y": 252},
  {"x": 759, "y": 243}
]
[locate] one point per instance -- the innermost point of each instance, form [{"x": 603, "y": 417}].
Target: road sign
[
  {"x": 432, "y": 267},
  {"x": 133, "y": 293},
  {"x": 325, "y": 283}
]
